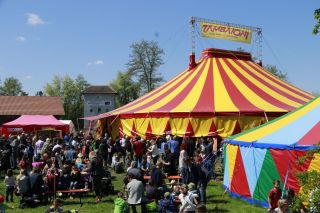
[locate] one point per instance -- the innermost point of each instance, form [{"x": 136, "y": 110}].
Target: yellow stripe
[
  {"x": 268, "y": 129},
  {"x": 201, "y": 126},
  {"x": 142, "y": 125},
  {"x": 315, "y": 163},
  {"x": 179, "y": 126},
  {"x": 173, "y": 94},
  {"x": 231, "y": 155},
  {"x": 262, "y": 86},
  {"x": 222, "y": 100},
  {"x": 127, "y": 125},
  {"x": 158, "y": 125},
  {"x": 154, "y": 94},
  {"x": 249, "y": 94},
  {"x": 192, "y": 98},
  {"x": 275, "y": 82}
]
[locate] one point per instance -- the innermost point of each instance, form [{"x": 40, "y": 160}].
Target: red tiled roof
[{"x": 31, "y": 105}]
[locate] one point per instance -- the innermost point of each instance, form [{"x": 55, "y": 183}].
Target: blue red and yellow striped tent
[
  {"x": 225, "y": 93},
  {"x": 254, "y": 158}
]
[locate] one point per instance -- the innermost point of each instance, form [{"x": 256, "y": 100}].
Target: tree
[
  {"x": 127, "y": 89},
  {"x": 145, "y": 59},
  {"x": 275, "y": 71},
  {"x": 316, "y": 28},
  {"x": 39, "y": 93},
  {"x": 309, "y": 195},
  {"x": 70, "y": 92},
  {"x": 12, "y": 87}
]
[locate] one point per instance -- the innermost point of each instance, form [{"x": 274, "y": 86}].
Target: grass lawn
[{"x": 216, "y": 202}]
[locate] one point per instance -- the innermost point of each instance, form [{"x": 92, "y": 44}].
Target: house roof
[
  {"x": 99, "y": 89},
  {"x": 31, "y": 105}
]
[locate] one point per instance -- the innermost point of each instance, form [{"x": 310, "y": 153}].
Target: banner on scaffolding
[{"x": 237, "y": 34}]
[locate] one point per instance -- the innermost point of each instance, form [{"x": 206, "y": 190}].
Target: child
[
  {"x": 10, "y": 183},
  {"x": 120, "y": 205},
  {"x": 166, "y": 204},
  {"x": 118, "y": 165},
  {"x": 274, "y": 196}
]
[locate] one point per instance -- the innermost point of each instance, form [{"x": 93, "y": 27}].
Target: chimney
[{"x": 192, "y": 61}]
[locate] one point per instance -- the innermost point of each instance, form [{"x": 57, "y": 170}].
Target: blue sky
[{"x": 41, "y": 38}]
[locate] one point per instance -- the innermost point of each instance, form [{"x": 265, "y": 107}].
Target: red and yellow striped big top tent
[{"x": 225, "y": 93}]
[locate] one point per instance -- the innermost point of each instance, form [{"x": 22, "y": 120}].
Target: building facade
[{"x": 98, "y": 100}]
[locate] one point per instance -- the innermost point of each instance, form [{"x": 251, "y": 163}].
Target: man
[
  {"x": 169, "y": 166},
  {"x": 97, "y": 172},
  {"x": 156, "y": 175},
  {"x": 174, "y": 145},
  {"x": 36, "y": 183},
  {"x": 70, "y": 154},
  {"x": 138, "y": 150},
  {"x": 135, "y": 194}
]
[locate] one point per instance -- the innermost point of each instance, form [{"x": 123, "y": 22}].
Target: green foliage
[
  {"x": 316, "y": 28},
  {"x": 145, "y": 59},
  {"x": 12, "y": 87},
  {"x": 127, "y": 89},
  {"x": 39, "y": 93},
  {"x": 70, "y": 90},
  {"x": 275, "y": 71},
  {"x": 309, "y": 196}
]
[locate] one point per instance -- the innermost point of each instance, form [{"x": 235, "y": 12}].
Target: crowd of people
[{"x": 47, "y": 165}]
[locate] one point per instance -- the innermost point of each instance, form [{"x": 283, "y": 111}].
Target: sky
[{"x": 42, "y": 38}]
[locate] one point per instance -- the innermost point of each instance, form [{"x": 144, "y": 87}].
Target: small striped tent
[
  {"x": 254, "y": 158},
  {"x": 225, "y": 93}
]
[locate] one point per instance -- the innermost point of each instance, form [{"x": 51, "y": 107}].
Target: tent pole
[{"x": 265, "y": 115}]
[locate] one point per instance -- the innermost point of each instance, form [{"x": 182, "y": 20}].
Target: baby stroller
[{"x": 106, "y": 183}]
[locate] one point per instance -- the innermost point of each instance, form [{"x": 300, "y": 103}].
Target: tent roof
[
  {"x": 223, "y": 82},
  {"x": 299, "y": 129},
  {"x": 34, "y": 120}
]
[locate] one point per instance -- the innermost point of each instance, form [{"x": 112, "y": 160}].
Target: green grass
[{"x": 216, "y": 201}]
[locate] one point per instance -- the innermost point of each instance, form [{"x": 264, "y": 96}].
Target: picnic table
[
  {"x": 172, "y": 177},
  {"x": 76, "y": 191}
]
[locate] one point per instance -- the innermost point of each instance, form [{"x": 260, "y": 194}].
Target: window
[
  {"x": 107, "y": 103},
  {"x": 107, "y": 110},
  {"x": 91, "y": 110},
  {"x": 99, "y": 109}
]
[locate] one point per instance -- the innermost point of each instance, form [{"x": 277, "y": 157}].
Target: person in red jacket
[{"x": 274, "y": 196}]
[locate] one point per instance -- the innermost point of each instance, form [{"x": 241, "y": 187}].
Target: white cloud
[
  {"x": 28, "y": 77},
  {"x": 21, "y": 38},
  {"x": 34, "y": 19},
  {"x": 96, "y": 62}
]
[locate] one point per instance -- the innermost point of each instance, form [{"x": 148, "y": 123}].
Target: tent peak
[{"x": 221, "y": 53}]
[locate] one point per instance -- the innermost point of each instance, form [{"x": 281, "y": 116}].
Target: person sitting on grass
[
  {"x": 120, "y": 205},
  {"x": 56, "y": 207}
]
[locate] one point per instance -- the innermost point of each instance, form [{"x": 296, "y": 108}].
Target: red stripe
[
  {"x": 159, "y": 98},
  {"x": 206, "y": 99},
  {"x": 263, "y": 81},
  {"x": 182, "y": 95},
  {"x": 137, "y": 101},
  {"x": 267, "y": 97},
  {"x": 236, "y": 96},
  {"x": 279, "y": 82},
  {"x": 312, "y": 137}
]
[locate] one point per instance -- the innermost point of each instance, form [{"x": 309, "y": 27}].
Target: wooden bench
[{"x": 75, "y": 191}]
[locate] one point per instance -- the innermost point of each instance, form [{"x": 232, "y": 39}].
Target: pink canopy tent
[{"x": 30, "y": 123}]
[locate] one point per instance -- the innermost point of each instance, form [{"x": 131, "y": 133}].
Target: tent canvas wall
[{"x": 253, "y": 159}]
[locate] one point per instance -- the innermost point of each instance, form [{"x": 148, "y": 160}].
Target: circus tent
[
  {"x": 225, "y": 93},
  {"x": 253, "y": 159}
]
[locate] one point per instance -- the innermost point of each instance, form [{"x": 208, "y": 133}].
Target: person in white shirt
[
  {"x": 38, "y": 148},
  {"x": 188, "y": 200}
]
